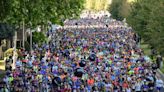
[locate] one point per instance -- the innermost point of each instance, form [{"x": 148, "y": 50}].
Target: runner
[{"x": 97, "y": 59}]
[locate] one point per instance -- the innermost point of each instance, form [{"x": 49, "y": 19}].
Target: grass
[
  {"x": 146, "y": 49},
  {"x": 162, "y": 70}
]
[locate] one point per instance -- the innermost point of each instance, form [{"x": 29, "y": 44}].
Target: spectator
[{"x": 159, "y": 61}]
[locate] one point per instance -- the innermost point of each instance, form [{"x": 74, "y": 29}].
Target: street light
[
  {"x": 15, "y": 51},
  {"x": 38, "y": 29}
]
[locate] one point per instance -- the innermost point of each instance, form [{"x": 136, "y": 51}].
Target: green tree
[
  {"x": 5, "y": 7},
  {"x": 119, "y": 9},
  {"x": 147, "y": 19},
  {"x": 96, "y": 5},
  {"x": 6, "y": 30},
  {"x": 66, "y": 9},
  {"x": 38, "y": 12}
]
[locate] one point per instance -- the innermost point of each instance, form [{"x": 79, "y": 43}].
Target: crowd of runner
[
  {"x": 89, "y": 21},
  {"x": 105, "y": 59}
]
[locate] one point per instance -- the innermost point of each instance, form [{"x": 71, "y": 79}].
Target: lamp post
[
  {"x": 23, "y": 35},
  {"x": 14, "y": 52},
  {"x": 38, "y": 29},
  {"x": 30, "y": 33},
  {"x": 30, "y": 40}
]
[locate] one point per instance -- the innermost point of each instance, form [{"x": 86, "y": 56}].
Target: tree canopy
[
  {"x": 6, "y": 31},
  {"x": 119, "y": 9},
  {"x": 97, "y": 5},
  {"x": 38, "y": 12},
  {"x": 146, "y": 17}
]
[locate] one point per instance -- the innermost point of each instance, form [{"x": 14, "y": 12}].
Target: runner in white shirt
[
  {"x": 128, "y": 89},
  {"x": 108, "y": 86},
  {"x": 138, "y": 86},
  {"x": 159, "y": 84}
]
